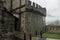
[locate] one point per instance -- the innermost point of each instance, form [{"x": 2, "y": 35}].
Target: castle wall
[
  {"x": 7, "y": 23},
  {"x": 33, "y": 6},
  {"x": 31, "y": 18},
  {"x": 53, "y": 29},
  {"x": 34, "y": 22}
]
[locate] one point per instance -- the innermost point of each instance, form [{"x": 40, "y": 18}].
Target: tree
[{"x": 57, "y": 22}]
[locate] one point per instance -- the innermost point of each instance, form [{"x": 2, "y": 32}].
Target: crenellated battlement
[
  {"x": 35, "y": 7},
  {"x": 30, "y": 3}
]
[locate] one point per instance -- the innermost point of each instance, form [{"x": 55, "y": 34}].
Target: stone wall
[
  {"x": 31, "y": 18},
  {"x": 7, "y": 23},
  {"x": 53, "y": 29},
  {"x": 34, "y": 22},
  {"x": 36, "y": 7}
]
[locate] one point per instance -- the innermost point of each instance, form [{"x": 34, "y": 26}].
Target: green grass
[{"x": 50, "y": 35}]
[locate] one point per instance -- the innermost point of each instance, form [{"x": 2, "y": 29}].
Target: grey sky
[{"x": 53, "y": 8}]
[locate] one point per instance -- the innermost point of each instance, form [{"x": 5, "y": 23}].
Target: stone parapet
[{"x": 31, "y": 6}]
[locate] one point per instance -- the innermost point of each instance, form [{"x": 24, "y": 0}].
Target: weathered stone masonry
[
  {"x": 31, "y": 18},
  {"x": 8, "y": 23},
  {"x": 53, "y": 28}
]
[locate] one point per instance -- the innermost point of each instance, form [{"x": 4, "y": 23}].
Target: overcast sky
[{"x": 53, "y": 9}]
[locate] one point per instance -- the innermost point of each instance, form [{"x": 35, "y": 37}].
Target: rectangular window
[{"x": 17, "y": 27}]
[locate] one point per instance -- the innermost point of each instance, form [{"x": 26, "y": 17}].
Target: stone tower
[{"x": 31, "y": 17}]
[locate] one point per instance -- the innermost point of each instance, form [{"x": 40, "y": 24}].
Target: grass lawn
[{"x": 50, "y": 35}]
